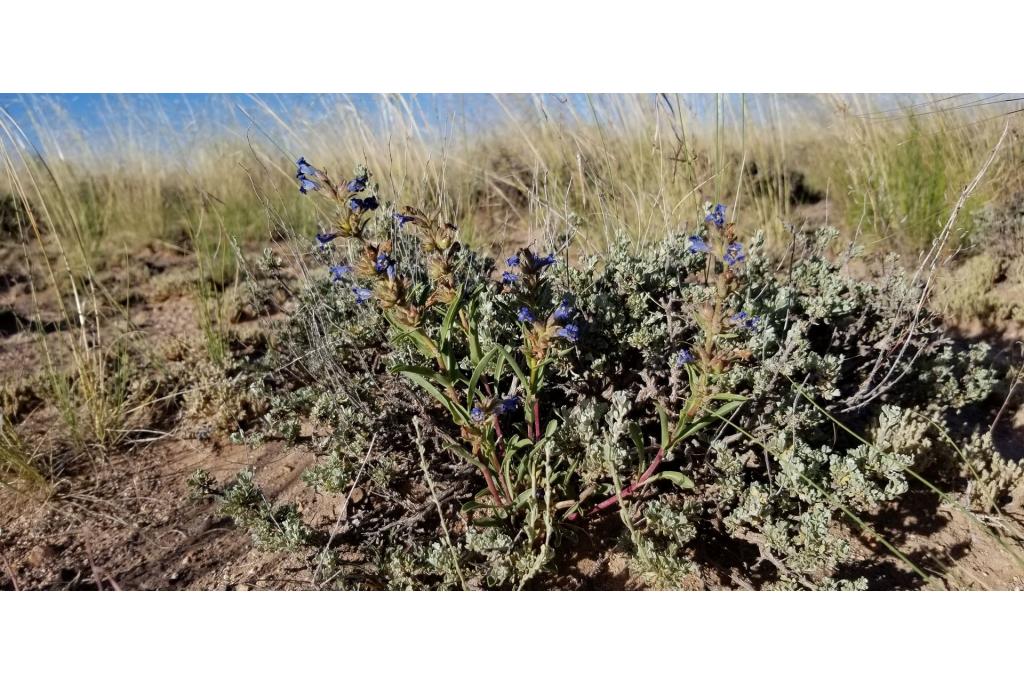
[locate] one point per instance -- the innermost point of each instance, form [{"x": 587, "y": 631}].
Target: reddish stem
[
  {"x": 536, "y": 420},
  {"x": 627, "y": 491},
  {"x": 490, "y": 486}
]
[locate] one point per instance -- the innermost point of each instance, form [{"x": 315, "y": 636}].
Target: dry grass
[{"x": 624, "y": 165}]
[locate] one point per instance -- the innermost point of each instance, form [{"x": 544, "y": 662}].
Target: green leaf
[
  {"x": 638, "y": 439},
  {"x": 728, "y": 408},
  {"x": 678, "y": 479},
  {"x": 460, "y": 415},
  {"x": 449, "y": 319},
  {"x": 488, "y": 522},
  {"x": 475, "y": 378},
  {"x": 514, "y": 366},
  {"x": 710, "y": 418},
  {"x": 663, "y": 417},
  {"x": 462, "y": 453},
  {"x": 423, "y": 372},
  {"x": 727, "y": 396}
]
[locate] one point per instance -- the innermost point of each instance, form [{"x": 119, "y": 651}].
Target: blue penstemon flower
[
  {"x": 525, "y": 315},
  {"x": 696, "y": 244},
  {"x": 304, "y": 169},
  {"x": 366, "y": 204},
  {"x": 745, "y": 320},
  {"x": 402, "y": 219},
  {"x": 683, "y": 357},
  {"x": 357, "y": 184},
  {"x": 734, "y": 254},
  {"x": 570, "y": 332},
  {"x": 513, "y": 260},
  {"x": 509, "y": 278},
  {"x": 716, "y": 216},
  {"x": 324, "y": 238},
  {"x": 506, "y": 405},
  {"x": 384, "y": 263},
  {"x": 362, "y": 294},
  {"x": 303, "y": 172},
  {"x": 540, "y": 263},
  {"x": 477, "y": 414},
  {"x": 564, "y": 312},
  {"x": 338, "y": 271}
]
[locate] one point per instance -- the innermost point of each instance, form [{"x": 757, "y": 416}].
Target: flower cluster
[
  {"x": 723, "y": 239},
  {"x": 305, "y": 174},
  {"x": 525, "y": 277}
]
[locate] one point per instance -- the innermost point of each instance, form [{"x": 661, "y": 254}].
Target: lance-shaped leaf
[{"x": 474, "y": 380}]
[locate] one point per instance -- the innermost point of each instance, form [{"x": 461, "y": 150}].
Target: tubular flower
[
  {"x": 357, "y": 185},
  {"x": 338, "y": 271},
  {"x": 683, "y": 357},
  {"x": 362, "y": 294},
  {"x": 570, "y": 332},
  {"x": 734, "y": 254},
  {"x": 564, "y": 312},
  {"x": 716, "y": 216},
  {"x": 696, "y": 244}
]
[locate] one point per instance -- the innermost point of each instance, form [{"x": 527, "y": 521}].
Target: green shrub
[{"x": 691, "y": 386}]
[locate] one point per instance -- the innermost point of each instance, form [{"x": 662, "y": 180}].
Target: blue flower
[
  {"x": 306, "y": 185},
  {"x": 525, "y": 315},
  {"x": 304, "y": 168},
  {"x": 683, "y": 357},
  {"x": 338, "y": 271},
  {"x": 717, "y": 216},
  {"x": 539, "y": 263},
  {"x": 477, "y": 413},
  {"x": 402, "y": 219},
  {"x": 570, "y": 332},
  {"x": 513, "y": 260},
  {"x": 357, "y": 185},
  {"x": 746, "y": 320},
  {"x": 383, "y": 263},
  {"x": 696, "y": 244},
  {"x": 324, "y": 238},
  {"x": 734, "y": 254},
  {"x": 366, "y": 204},
  {"x": 362, "y": 294},
  {"x": 564, "y": 311},
  {"x": 509, "y": 277},
  {"x": 506, "y": 405}
]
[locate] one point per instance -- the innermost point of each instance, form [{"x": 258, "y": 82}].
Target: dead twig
[{"x": 930, "y": 263}]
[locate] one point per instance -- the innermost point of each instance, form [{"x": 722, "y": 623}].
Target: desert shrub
[{"x": 735, "y": 414}]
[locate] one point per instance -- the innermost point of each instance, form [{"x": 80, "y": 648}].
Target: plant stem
[
  {"x": 629, "y": 490},
  {"x": 490, "y": 486},
  {"x": 536, "y": 420}
]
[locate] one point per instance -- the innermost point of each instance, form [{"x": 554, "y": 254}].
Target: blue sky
[
  {"x": 201, "y": 114},
  {"x": 94, "y": 113},
  {"x": 197, "y": 115}
]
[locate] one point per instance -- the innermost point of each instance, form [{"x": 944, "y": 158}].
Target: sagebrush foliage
[{"x": 716, "y": 398}]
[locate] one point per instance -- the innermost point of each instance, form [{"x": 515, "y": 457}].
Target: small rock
[{"x": 357, "y": 495}]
